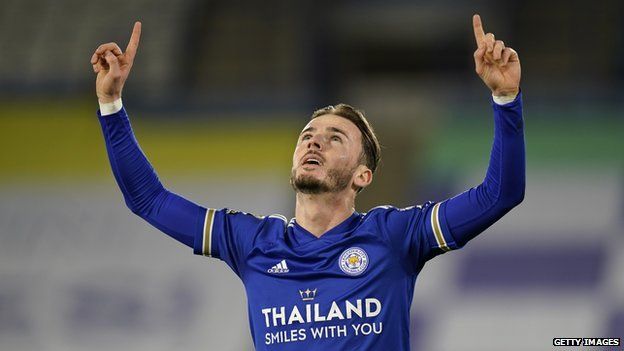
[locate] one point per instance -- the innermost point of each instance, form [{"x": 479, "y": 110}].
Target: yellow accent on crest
[{"x": 353, "y": 259}]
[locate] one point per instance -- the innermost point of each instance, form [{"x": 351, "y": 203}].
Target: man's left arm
[
  {"x": 457, "y": 220},
  {"x": 450, "y": 224}
]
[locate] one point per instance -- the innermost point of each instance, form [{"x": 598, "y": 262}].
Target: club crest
[{"x": 353, "y": 261}]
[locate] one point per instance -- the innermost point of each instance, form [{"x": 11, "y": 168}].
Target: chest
[{"x": 352, "y": 268}]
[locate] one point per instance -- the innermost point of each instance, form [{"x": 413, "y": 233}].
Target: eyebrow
[
  {"x": 333, "y": 129},
  {"x": 337, "y": 130},
  {"x": 309, "y": 129}
]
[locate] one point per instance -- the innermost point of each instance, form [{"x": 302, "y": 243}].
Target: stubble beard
[{"x": 337, "y": 180}]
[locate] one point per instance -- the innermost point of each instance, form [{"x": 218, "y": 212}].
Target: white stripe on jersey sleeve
[
  {"x": 437, "y": 229},
  {"x": 207, "y": 238}
]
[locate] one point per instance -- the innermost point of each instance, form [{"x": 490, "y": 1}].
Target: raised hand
[
  {"x": 497, "y": 65},
  {"x": 113, "y": 66}
]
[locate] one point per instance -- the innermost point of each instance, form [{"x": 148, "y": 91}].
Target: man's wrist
[
  {"x": 502, "y": 98},
  {"x": 109, "y": 108}
]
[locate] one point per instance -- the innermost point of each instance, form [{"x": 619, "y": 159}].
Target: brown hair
[{"x": 371, "y": 151}]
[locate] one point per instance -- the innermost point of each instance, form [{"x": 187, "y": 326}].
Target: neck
[{"x": 320, "y": 212}]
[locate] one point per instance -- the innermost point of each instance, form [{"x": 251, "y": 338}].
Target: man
[{"x": 331, "y": 278}]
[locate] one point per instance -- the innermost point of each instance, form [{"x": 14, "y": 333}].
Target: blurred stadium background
[{"x": 217, "y": 96}]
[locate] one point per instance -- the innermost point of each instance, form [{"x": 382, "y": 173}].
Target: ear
[{"x": 362, "y": 177}]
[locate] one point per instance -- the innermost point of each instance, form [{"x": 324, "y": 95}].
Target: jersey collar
[{"x": 301, "y": 236}]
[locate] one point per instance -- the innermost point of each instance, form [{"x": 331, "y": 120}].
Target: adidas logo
[{"x": 281, "y": 267}]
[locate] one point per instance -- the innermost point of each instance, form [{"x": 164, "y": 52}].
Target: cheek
[
  {"x": 345, "y": 154},
  {"x": 342, "y": 159},
  {"x": 296, "y": 154}
]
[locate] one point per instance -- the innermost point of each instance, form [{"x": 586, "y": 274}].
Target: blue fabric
[
  {"x": 350, "y": 289},
  {"x": 142, "y": 190},
  {"x": 471, "y": 212}
]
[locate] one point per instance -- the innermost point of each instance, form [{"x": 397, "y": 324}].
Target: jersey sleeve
[
  {"x": 420, "y": 233},
  {"x": 228, "y": 235},
  {"x": 415, "y": 233},
  {"x": 143, "y": 192},
  {"x": 224, "y": 234}
]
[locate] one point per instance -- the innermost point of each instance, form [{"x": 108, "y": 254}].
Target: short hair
[{"x": 371, "y": 150}]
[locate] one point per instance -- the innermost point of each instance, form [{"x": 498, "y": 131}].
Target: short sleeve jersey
[{"x": 350, "y": 289}]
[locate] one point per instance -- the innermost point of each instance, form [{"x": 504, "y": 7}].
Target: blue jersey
[
  {"x": 352, "y": 287},
  {"x": 349, "y": 289}
]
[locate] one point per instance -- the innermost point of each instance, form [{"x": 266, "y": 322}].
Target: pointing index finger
[
  {"x": 133, "y": 43},
  {"x": 478, "y": 30}
]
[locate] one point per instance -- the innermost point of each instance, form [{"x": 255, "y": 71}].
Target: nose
[{"x": 315, "y": 143}]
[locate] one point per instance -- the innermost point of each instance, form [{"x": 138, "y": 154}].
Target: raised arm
[
  {"x": 142, "y": 190},
  {"x": 471, "y": 212}
]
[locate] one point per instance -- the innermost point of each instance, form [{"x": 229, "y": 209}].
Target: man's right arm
[
  {"x": 142, "y": 190},
  {"x": 224, "y": 234}
]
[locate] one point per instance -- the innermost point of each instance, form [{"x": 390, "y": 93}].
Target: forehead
[{"x": 329, "y": 122}]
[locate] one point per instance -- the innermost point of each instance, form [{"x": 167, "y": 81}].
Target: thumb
[{"x": 113, "y": 64}]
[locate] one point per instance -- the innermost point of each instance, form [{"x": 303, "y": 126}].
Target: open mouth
[{"x": 312, "y": 160}]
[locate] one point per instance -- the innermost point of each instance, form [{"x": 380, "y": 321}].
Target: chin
[
  {"x": 309, "y": 184},
  {"x": 316, "y": 180}
]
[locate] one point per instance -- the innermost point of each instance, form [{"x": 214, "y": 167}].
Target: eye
[
  {"x": 336, "y": 138},
  {"x": 306, "y": 136}
]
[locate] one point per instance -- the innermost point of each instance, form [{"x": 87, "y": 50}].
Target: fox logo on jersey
[{"x": 353, "y": 261}]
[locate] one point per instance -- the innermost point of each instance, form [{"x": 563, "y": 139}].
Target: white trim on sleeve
[
  {"x": 207, "y": 239},
  {"x": 110, "y": 108},
  {"x": 502, "y": 100}
]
